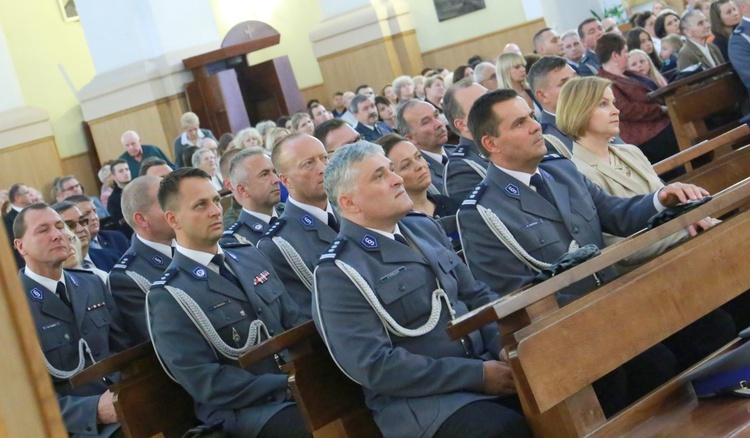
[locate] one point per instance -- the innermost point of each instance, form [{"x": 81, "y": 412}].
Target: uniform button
[
  {"x": 88, "y": 428},
  {"x": 270, "y": 332},
  {"x": 541, "y": 241},
  {"x": 227, "y": 318},
  {"x": 260, "y": 310},
  {"x": 67, "y": 337},
  {"x": 402, "y": 288},
  {"x": 575, "y": 230}
]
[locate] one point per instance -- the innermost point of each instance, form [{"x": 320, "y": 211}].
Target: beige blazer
[
  {"x": 618, "y": 184},
  {"x": 690, "y": 54}
]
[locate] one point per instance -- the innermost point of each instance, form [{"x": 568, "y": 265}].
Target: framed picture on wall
[
  {"x": 68, "y": 9},
  {"x": 447, "y": 9}
]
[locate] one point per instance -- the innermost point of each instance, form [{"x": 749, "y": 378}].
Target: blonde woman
[
  {"x": 403, "y": 86},
  {"x": 640, "y": 63},
  {"x": 247, "y": 138},
  {"x": 511, "y": 74},
  {"x": 275, "y": 135},
  {"x": 587, "y": 114}
]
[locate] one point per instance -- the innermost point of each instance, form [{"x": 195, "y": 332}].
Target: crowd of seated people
[{"x": 376, "y": 184}]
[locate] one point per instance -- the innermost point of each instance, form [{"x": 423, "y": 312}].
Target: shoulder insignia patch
[
  {"x": 232, "y": 256},
  {"x": 124, "y": 261},
  {"x": 36, "y": 293},
  {"x": 475, "y": 195},
  {"x": 550, "y": 157},
  {"x": 232, "y": 228},
  {"x": 307, "y": 221},
  {"x": 512, "y": 190},
  {"x": 333, "y": 251},
  {"x": 257, "y": 227},
  {"x": 199, "y": 272},
  {"x": 275, "y": 227},
  {"x": 460, "y": 152},
  {"x": 369, "y": 242},
  {"x": 73, "y": 280},
  {"x": 157, "y": 260},
  {"x": 169, "y": 273},
  {"x": 545, "y": 173}
]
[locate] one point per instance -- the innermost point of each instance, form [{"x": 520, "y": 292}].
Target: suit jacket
[
  {"x": 93, "y": 317},
  {"x": 582, "y": 212},
  {"x": 309, "y": 237},
  {"x": 8, "y": 222},
  {"x": 644, "y": 180},
  {"x": 371, "y": 135},
  {"x": 179, "y": 146},
  {"x": 690, "y": 54},
  {"x": 549, "y": 127},
  {"x": 244, "y": 398},
  {"x": 247, "y": 227},
  {"x": 129, "y": 295},
  {"x": 739, "y": 51},
  {"x": 460, "y": 177},
  {"x": 640, "y": 118},
  {"x": 589, "y": 65},
  {"x": 412, "y": 384},
  {"x": 114, "y": 241},
  {"x": 104, "y": 259},
  {"x": 437, "y": 173}
]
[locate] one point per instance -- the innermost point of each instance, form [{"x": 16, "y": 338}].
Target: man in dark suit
[
  {"x": 97, "y": 261},
  {"x": 421, "y": 124},
  {"x": 256, "y": 188},
  {"x": 739, "y": 44},
  {"x": 18, "y": 196},
  {"x": 122, "y": 176},
  {"x": 308, "y": 225},
  {"x": 148, "y": 256},
  {"x": 364, "y": 110},
  {"x": 590, "y": 30},
  {"x": 574, "y": 51},
  {"x": 110, "y": 241},
  {"x": 416, "y": 380},
  {"x": 466, "y": 167},
  {"x": 69, "y": 307},
  {"x": 239, "y": 301}
]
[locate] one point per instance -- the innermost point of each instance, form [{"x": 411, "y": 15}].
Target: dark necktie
[
  {"x": 63, "y": 294},
  {"x": 272, "y": 220},
  {"x": 541, "y": 188},
  {"x": 218, "y": 260},
  {"x": 444, "y": 159},
  {"x": 401, "y": 239},
  {"x": 332, "y": 222}
]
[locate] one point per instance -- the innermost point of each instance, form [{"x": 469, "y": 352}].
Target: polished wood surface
[{"x": 35, "y": 164}]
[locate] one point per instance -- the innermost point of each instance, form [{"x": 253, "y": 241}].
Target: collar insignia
[
  {"x": 258, "y": 227},
  {"x": 36, "y": 294},
  {"x": 369, "y": 242},
  {"x": 512, "y": 190},
  {"x": 307, "y": 220},
  {"x": 73, "y": 280},
  {"x": 199, "y": 272},
  {"x": 231, "y": 254},
  {"x": 157, "y": 260}
]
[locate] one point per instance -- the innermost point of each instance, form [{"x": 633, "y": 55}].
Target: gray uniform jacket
[
  {"x": 582, "y": 212},
  {"x": 739, "y": 51},
  {"x": 94, "y": 318},
  {"x": 437, "y": 173},
  {"x": 129, "y": 295},
  {"x": 244, "y": 398},
  {"x": 248, "y": 227},
  {"x": 461, "y": 177},
  {"x": 412, "y": 384},
  {"x": 309, "y": 237}
]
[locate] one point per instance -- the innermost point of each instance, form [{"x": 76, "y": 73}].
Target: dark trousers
[
  {"x": 287, "y": 423},
  {"x": 660, "y": 147},
  {"x": 701, "y": 338},
  {"x": 498, "y": 417}
]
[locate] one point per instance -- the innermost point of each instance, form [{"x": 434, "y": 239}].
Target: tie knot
[
  {"x": 536, "y": 180},
  {"x": 400, "y": 239},
  {"x": 444, "y": 160},
  {"x": 218, "y": 259}
]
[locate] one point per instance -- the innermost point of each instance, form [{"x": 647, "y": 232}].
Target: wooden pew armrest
[
  {"x": 692, "y": 79},
  {"x": 279, "y": 343},
  {"x": 112, "y": 364},
  {"x": 702, "y": 148}
]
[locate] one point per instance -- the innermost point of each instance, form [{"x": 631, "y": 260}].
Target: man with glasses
[
  {"x": 69, "y": 185},
  {"x": 18, "y": 195},
  {"x": 97, "y": 261},
  {"x": 110, "y": 241}
]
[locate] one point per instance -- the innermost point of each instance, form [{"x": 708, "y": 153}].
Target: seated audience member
[
  {"x": 348, "y": 117},
  {"x": 18, "y": 198},
  {"x": 546, "y": 79},
  {"x": 69, "y": 186},
  {"x": 421, "y": 124},
  {"x": 100, "y": 240},
  {"x": 658, "y": 6},
  {"x": 76, "y": 254},
  {"x": 474, "y": 61},
  {"x": 121, "y": 172},
  {"x": 249, "y": 402},
  {"x": 609, "y": 25},
  {"x": 284, "y": 122},
  {"x": 403, "y": 86},
  {"x": 643, "y": 123},
  {"x": 485, "y": 74},
  {"x": 154, "y": 166},
  {"x": 418, "y": 87},
  {"x": 225, "y": 142},
  {"x": 187, "y": 155},
  {"x": 308, "y": 223},
  {"x": 670, "y": 47},
  {"x": 547, "y": 42},
  {"x": 233, "y": 212},
  {"x": 739, "y": 44},
  {"x": 248, "y": 138},
  {"x": 388, "y": 93},
  {"x": 645, "y": 70},
  {"x": 574, "y": 51},
  {"x": 512, "y": 48},
  {"x": 319, "y": 113},
  {"x": 191, "y": 135},
  {"x": 413, "y": 169},
  {"x": 301, "y": 122},
  {"x": 590, "y": 30},
  {"x": 35, "y": 196},
  {"x": 276, "y": 135},
  {"x": 725, "y": 17},
  {"x": 386, "y": 112},
  {"x": 205, "y": 159},
  {"x": 697, "y": 29},
  {"x": 335, "y": 133},
  {"x": 257, "y": 190},
  {"x": 135, "y": 152},
  {"x": 366, "y": 90},
  {"x": 465, "y": 168},
  {"x": 705, "y": 7},
  {"x": 364, "y": 111},
  {"x": 337, "y": 104},
  {"x": 646, "y": 20},
  {"x": 63, "y": 299},
  {"x": 667, "y": 23},
  {"x": 639, "y": 39},
  {"x": 511, "y": 74},
  {"x": 149, "y": 254},
  {"x": 210, "y": 144},
  {"x": 99, "y": 262},
  {"x": 419, "y": 383},
  {"x": 105, "y": 177},
  {"x": 264, "y": 127},
  {"x": 462, "y": 71},
  {"x": 434, "y": 91}
]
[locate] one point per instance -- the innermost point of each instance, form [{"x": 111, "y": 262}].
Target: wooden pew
[
  {"x": 147, "y": 401},
  {"x": 693, "y": 99},
  {"x": 556, "y": 354},
  {"x": 331, "y": 404}
]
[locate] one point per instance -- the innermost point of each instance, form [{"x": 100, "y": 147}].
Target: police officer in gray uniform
[
  {"x": 149, "y": 254},
  {"x": 75, "y": 318},
  {"x": 385, "y": 290},
  {"x": 308, "y": 225},
  {"x": 256, "y": 188},
  {"x": 466, "y": 167},
  {"x": 211, "y": 306}
]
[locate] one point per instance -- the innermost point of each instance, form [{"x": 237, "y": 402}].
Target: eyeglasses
[
  {"x": 84, "y": 222},
  {"x": 77, "y": 186}
]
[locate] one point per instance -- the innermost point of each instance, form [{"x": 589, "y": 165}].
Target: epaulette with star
[
  {"x": 238, "y": 241},
  {"x": 333, "y": 251},
  {"x": 169, "y": 273},
  {"x": 232, "y": 229},
  {"x": 274, "y": 229},
  {"x": 474, "y": 196},
  {"x": 551, "y": 157},
  {"x": 460, "y": 152},
  {"x": 124, "y": 261}
]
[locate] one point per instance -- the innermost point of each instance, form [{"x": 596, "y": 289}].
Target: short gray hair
[
  {"x": 686, "y": 21},
  {"x": 237, "y": 172},
  {"x": 479, "y": 75},
  {"x": 340, "y": 173},
  {"x": 402, "y": 124},
  {"x": 354, "y": 105},
  {"x": 196, "y": 160},
  {"x": 136, "y": 196}
]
